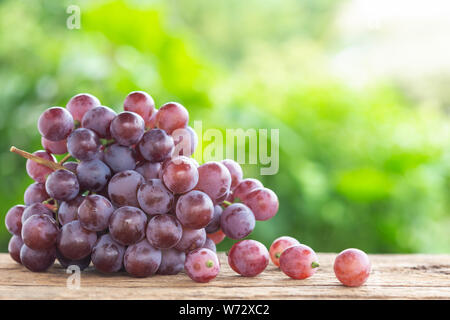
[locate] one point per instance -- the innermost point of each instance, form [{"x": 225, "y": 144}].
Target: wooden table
[{"x": 393, "y": 277}]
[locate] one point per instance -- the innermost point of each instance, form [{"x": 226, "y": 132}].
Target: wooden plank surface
[{"x": 393, "y": 277}]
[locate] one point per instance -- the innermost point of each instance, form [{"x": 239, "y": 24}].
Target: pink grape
[
  {"x": 172, "y": 262},
  {"x": 237, "y": 221},
  {"x": 245, "y": 187},
  {"x": 202, "y": 265},
  {"x": 39, "y": 172},
  {"x": 217, "y": 236},
  {"x": 164, "y": 231},
  {"x": 54, "y": 147},
  {"x": 35, "y": 193},
  {"x": 39, "y": 232},
  {"x": 99, "y": 120},
  {"x": 278, "y": 246},
  {"x": 194, "y": 209},
  {"x": 142, "y": 259},
  {"x": 171, "y": 116},
  {"x": 74, "y": 242},
  {"x": 127, "y": 128},
  {"x": 107, "y": 254},
  {"x": 13, "y": 219},
  {"x": 263, "y": 202},
  {"x": 214, "y": 180},
  {"x": 191, "y": 239},
  {"x": 154, "y": 198},
  {"x": 235, "y": 171},
  {"x": 141, "y": 103},
  {"x": 37, "y": 260},
  {"x": 55, "y": 124},
  {"x": 80, "y": 104},
  {"x": 14, "y": 246},
  {"x": 151, "y": 123},
  {"x": 185, "y": 141},
  {"x": 248, "y": 258},
  {"x": 127, "y": 225},
  {"x": 180, "y": 175},
  {"x": 299, "y": 262},
  {"x": 352, "y": 267}
]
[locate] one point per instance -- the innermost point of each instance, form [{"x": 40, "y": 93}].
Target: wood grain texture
[{"x": 393, "y": 277}]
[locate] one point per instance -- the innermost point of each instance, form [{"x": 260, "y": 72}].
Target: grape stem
[
  {"x": 49, "y": 164},
  {"x": 227, "y": 203},
  {"x": 66, "y": 157},
  {"x": 314, "y": 265}
]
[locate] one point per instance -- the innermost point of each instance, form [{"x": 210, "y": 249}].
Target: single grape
[
  {"x": 172, "y": 262},
  {"x": 245, "y": 187},
  {"x": 191, "y": 239},
  {"x": 35, "y": 193},
  {"x": 14, "y": 246},
  {"x": 36, "y": 208},
  {"x": 93, "y": 175},
  {"x": 99, "y": 120},
  {"x": 235, "y": 171},
  {"x": 248, "y": 258},
  {"x": 164, "y": 231},
  {"x": 37, "y": 260},
  {"x": 149, "y": 170},
  {"x": 171, "y": 116},
  {"x": 195, "y": 209},
  {"x": 83, "y": 144},
  {"x": 142, "y": 259},
  {"x": 214, "y": 180},
  {"x": 185, "y": 141},
  {"x": 127, "y": 128},
  {"x": 68, "y": 210},
  {"x": 13, "y": 219},
  {"x": 120, "y": 158},
  {"x": 80, "y": 104},
  {"x": 94, "y": 213},
  {"x": 151, "y": 124},
  {"x": 299, "y": 261},
  {"x": 71, "y": 166},
  {"x": 141, "y": 103},
  {"x": 127, "y": 225},
  {"x": 65, "y": 263},
  {"x": 237, "y": 221},
  {"x": 154, "y": 198},
  {"x": 352, "y": 267},
  {"x": 55, "y": 147},
  {"x": 55, "y": 124},
  {"x": 39, "y": 172},
  {"x": 123, "y": 187},
  {"x": 74, "y": 242},
  {"x": 202, "y": 265},
  {"x": 214, "y": 224},
  {"x": 217, "y": 236},
  {"x": 62, "y": 185},
  {"x": 263, "y": 202},
  {"x": 209, "y": 244},
  {"x": 278, "y": 246},
  {"x": 156, "y": 145},
  {"x": 180, "y": 175},
  {"x": 107, "y": 254},
  {"x": 39, "y": 232}
]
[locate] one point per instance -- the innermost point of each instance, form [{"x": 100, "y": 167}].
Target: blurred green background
[{"x": 359, "y": 97}]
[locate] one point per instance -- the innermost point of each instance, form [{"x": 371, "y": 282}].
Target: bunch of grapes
[{"x": 127, "y": 195}]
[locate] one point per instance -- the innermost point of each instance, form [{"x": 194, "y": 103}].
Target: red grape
[
  {"x": 65, "y": 263},
  {"x": 235, "y": 171},
  {"x": 154, "y": 198},
  {"x": 202, "y": 265},
  {"x": 13, "y": 219},
  {"x": 35, "y": 193},
  {"x": 214, "y": 180},
  {"x": 263, "y": 202},
  {"x": 172, "y": 262},
  {"x": 127, "y": 225},
  {"x": 37, "y": 260},
  {"x": 185, "y": 141},
  {"x": 71, "y": 166},
  {"x": 55, "y": 147},
  {"x": 141, "y": 103},
  {"x": 74, "y": 242},
  {"x": 171, "y": 116},
  {"x": 36, "y": 208},
  {"x": 149, "y": 170},
  {"x": 278, "y": 246},
  {"x": 123, "y": 187},
  {"x": 127, "y": 128},
  {"x": 209, "y": 244},
  {"x": 14, "y": 246},
  {"x": 180, "y": 175},
  {"x": 214, "y": 224},
  {"x": 156, "y": 145},
  {"x": 191, "y": 239},
  {"x": 68, "y": 210},
  {"x": 55, "y": 124},
  {"x": 107, "y": 254},
  {"x": 151, "y": 123},
  {"x": 80, "y": 104},
  {"x": 245, "y": 187},
  {"x": 237, "y": 221},
  {"x": 99, "y": 120},
  {"x": 217, "y": 236},
  {"x": 94, "y": 213},
  {"x": 83, "y": 144},
  {"x": 248, "y": 258},
  {"x": 93, "y": 175},
  {"x": 164, "y": 231},
  {"x": 299, "y": 261},
  {"x": 352, "y": 267},
  {"x": 62, "y": 185},
  {"x": 39, "y": 172},
  {"x": 194, "y": 209},
  {"x": 120, "y": 158},
  {"x": 39, "y": 232},
  {"x": 142, "y": 259}
]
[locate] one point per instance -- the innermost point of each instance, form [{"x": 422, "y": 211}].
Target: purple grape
[
  {"x": 68, "y": 210},
  {"x": 214, "y": 224},
  {"x": 123, "y": 187},
  {"x": 80, "y": 104},
  {"x": 164, "y": 231},
  {"x": 37, "y": 260},
  {"x": 127, "y": 128},
  {"x": 154, "y": 198},
  {"x": 65, "y": 263},
  {"x": 237, "y": 221},
  {"x": 39, "y": 232},
  {"x": 142, "y": 259},
  {"x": 235, "y": 171},
  {"x": 14, "y": 246},
  {"x": 156, "y": 145},
  {"x": 214, "y": 180},
  {"x": 180, "y": 175},
  {"x": 191, "y": 239},
  {"x": 263, "y": 202},
  {"x": 209, "y": 244},
  {"x": 54, "y": 147},
  {"x": 120, "y": 158},
  {"x": 94, "y": 213},
  {"x": 13, "y": 219},
  {"x": 99, "y": 120},
  {"x": 141, "y": 103},
  {"x": 36, "y": 208},
  {"x": 195, "y": 209},
  {"x": 127, "y": 225},
  {"x": 39, "y": 172},
  {"x": 149, "y": 170},
  {"x": 83, "y": 144},
  {"x": 172, "y": 262},
  {"x": 248, "y": 258},
  {"x": 35, "y": 193},
  {"x": 185, "y": 141},
  {"x": 245, "y": 187},
  {"x": 62, "y": 185},
  {"x": 202, "y": 265},
  {"x": 93, "y": 175},
  {"x": 71, "y": 166},
  {"x": 107, "y": 255},
  {"x": 55, "y": 124},
  {"x": 74, "y": 242},
  {"x": 171, "y": 116}
]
